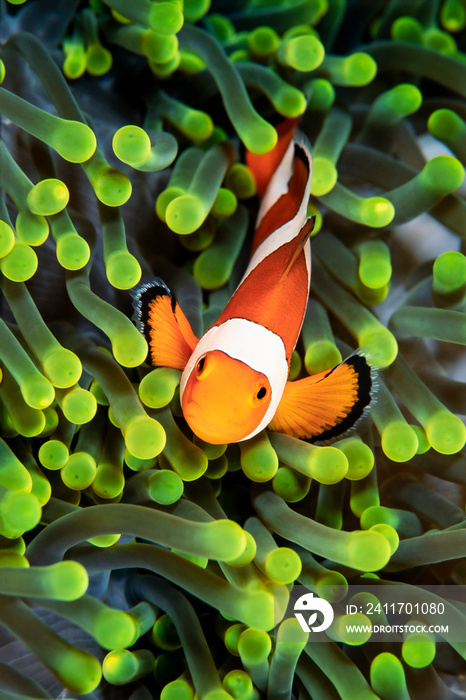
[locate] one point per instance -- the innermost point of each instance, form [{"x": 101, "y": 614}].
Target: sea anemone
[{"x": 137, "y": 560}]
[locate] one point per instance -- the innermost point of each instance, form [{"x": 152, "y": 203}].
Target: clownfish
[{"x": 234, "y": 380}]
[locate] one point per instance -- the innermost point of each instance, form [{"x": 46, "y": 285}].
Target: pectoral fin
[
  {"x": 325, "y": 405},
  {"x": 162, "y": 322}
]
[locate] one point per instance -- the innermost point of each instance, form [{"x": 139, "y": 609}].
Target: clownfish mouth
[{"x": 234, "y": 432}]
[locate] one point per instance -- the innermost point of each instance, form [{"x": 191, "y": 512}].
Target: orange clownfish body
[{"x": 234, "y": 378}]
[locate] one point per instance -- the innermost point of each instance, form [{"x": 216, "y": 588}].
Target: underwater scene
[{"x": 215, "y": 485}]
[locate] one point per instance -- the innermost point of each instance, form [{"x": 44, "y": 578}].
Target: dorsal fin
[
  {"x": 325, "y": 405},
  {"x": 160, "y": 319},
  {"x": 301, "y": 239}
]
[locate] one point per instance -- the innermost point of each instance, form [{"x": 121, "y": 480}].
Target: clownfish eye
[
  {"x": 261, "y": 393},
  {"x": 200, "y": 365}
]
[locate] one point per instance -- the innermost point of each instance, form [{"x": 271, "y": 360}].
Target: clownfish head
[{"x": 224, "y": 400}]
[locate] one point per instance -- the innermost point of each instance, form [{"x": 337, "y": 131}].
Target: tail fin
[
  {"x": 161, "y": 321},
  {"x": 263, "y": 166},
  {"x": 325, "y": 405},
  {"x": 285, "y": 199}
]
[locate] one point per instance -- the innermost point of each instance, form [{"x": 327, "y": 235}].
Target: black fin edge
[
  {"x": 141, "y": 296},
  {"x": 360, "y": 408}
]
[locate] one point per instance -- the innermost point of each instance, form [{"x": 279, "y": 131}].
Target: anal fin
[
  {"x": 162, "y": 322},
  {"x": 325, "y": 405}
]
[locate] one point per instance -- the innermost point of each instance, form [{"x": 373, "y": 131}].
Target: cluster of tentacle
[{"x": 133, "y": 553}]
